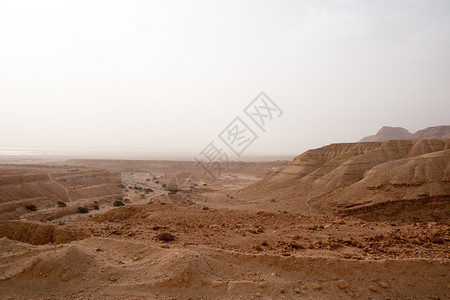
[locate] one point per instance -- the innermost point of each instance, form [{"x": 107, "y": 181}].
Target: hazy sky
[{"x": 171, "y": 75}]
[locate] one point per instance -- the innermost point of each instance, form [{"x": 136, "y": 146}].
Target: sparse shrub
[
  {"x": 165, "y": 236},
  {"x": 164, "y": 185},
  {"x": 61, "y": 204},
  {"x": 118, "y": 203},
  {"x": 204, "y": 184},
  {"x": 31, "y": 207},
  {"x": 173, "y": 191},
  {"x": 122, "y": 186},
  {"x": 83, "y": 210},
  {"x": 96, "y": 207}
]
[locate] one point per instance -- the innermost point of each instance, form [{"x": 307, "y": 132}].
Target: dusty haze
[{"x": 170, "y": 76}]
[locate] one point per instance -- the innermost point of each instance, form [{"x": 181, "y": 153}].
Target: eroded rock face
[
  {"x": 38, "y": 233},
  {"x": 45, "y": 186},
  {"x": 342, "y": 178}
]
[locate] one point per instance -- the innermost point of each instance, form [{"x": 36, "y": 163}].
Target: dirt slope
[
  {"x": 228, "y": 254},
  {"x": 44, "y": 186}
]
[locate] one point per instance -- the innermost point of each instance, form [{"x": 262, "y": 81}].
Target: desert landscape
[
  {"x": 365, "y": 220},
  {"x": 226, "y": 149}
]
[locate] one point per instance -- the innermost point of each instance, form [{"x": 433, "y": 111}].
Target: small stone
[
  {"x": 383, "y": 284},
  {"x": 318, "y": 287},
  {"x": 282, "y": 291},
  {"x": 342, "y": 284},
  {"x": 431, "y": 224},
  {"x": 165, "y": 246},
  {"x": 373, "y": 288},
  {"x": 297, "y": 291},
  {"x": 112, "y": 277}
]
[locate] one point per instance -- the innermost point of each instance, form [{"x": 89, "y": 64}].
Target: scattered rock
[
  {"x": 338, "y": 221},
  {"x": 342, "y": 284}
]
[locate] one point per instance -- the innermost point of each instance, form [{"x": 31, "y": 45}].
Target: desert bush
[
  {"x": 165, "y": 236},
  {"x": 61, "y": 204},
  {"x": 83, "y": 210},
  {"x": 96, "y": 207},
  {"x": 122, "y": 186},
  {"x": 31, "y": 207},
  {"x": 118, "y": 203}
]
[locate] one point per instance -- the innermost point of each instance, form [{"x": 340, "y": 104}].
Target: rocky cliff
[{"x": 364, "y": 179}]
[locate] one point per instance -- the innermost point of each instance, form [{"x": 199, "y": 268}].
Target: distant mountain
[
  {"x": 398, "y": 133},
  {"x": 438, "y": 132},
  {"x": 388, "y": 133}
]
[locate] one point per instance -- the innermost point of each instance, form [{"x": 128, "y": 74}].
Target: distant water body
[
  {"x": 4, "y": 151},
  {"x": 120, "y": 154}
]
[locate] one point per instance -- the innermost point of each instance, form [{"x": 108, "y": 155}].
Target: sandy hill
[
  {"x": 398, "y": 133},
  {"x": 407, "y": 179},
  {"x": 44, "y": 186}
]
